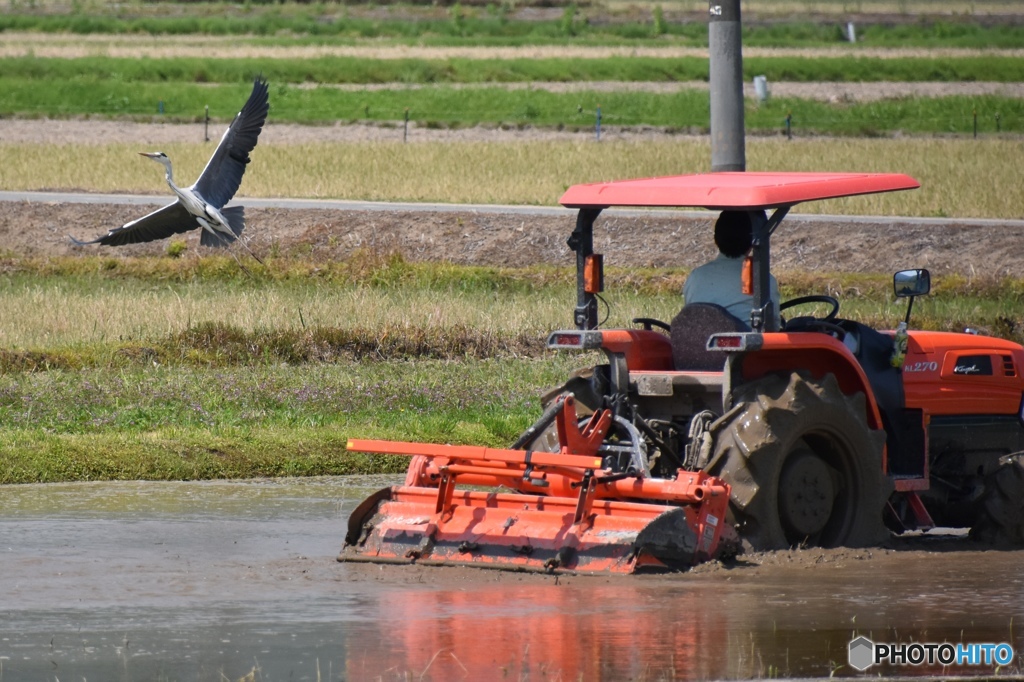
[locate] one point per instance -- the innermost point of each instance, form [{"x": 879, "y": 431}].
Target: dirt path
[
  {"x": 822, "y": 91},
  {"x": 70, "y": 46},
  {"x": 495, "y": 238},
  {"x": 805, "y": 243}
]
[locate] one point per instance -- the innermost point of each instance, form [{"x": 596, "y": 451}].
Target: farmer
[{"x": 720, "y": 281}]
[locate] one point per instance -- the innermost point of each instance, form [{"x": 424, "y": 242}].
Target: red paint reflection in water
[{"x": 540, "y": 632}]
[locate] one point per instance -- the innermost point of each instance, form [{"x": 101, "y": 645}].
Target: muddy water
[{"x": 219, "y": 580}]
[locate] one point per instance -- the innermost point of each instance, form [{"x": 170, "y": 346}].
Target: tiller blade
[{"x": 560, "y": 511}]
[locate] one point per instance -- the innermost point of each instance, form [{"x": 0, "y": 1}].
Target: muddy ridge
[{"x": 803, "y": 243}]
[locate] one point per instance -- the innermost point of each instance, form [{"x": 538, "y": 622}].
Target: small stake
[
  {"x": 160, "y": 107},
  {"x": 405, "y": 133},
  {"x": 975, "y": 123},
  {"x": 206, "y": 125},
  {"x": 998, "y": 128},
  {"x": 598, "y": 123},
  {"x": 789, "y": 125}
]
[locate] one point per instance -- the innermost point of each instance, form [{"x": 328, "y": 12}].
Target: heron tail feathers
[{"x": 235, "y": 216}]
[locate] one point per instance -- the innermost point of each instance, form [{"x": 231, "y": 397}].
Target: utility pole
[{"x": 725, "y": 54}]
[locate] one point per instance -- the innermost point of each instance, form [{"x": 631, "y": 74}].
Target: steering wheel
[
  {"x": 649, "y": 323},
  {"x": 816, "y": 298},
  {"x": 809, "y": 323}
]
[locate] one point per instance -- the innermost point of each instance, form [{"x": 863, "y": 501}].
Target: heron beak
[{"x": 151, "y": 155}]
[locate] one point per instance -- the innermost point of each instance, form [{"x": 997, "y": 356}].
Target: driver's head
[{"x": 734, "y": 232}]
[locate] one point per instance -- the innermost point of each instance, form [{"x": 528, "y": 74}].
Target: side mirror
[{"x": 908, "y": 283}]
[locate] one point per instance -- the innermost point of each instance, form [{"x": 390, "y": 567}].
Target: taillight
[
  {"x": 744, "y": 341},
  {"x": 572, "y": 339},
  {"x": 726, "y": 342},
  {"x": 565, "y": 340}
]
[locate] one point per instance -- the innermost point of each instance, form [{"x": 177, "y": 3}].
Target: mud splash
[{"x": 214, "y": 580}]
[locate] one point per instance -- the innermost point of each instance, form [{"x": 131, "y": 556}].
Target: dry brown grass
[
  {"x": 959, "y": 177},
  {"x": 74, "y": 46},
  {"x": 62, "y": 313}
]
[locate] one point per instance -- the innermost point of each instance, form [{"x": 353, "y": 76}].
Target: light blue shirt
[{"x": 721, "y": 282}]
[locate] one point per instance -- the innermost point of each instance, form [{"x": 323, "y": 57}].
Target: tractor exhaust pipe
[{"x": 725, "y": 55}]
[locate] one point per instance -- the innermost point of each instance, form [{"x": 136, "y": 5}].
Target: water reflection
[
  {"x": 683, "y": 627},
  {"x": 539, "y": 632},
  {"x": 213, "y": 581}
]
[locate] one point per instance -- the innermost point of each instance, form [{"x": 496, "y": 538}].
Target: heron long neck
[
  {"x": 170, "y": 175},
  {"x": 170, "y": 181}
]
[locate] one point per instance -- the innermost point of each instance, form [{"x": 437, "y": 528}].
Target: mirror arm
[{"x": 910, "y": 306}]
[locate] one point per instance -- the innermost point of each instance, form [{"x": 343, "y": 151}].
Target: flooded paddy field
[{"x": 238, "y": 580}]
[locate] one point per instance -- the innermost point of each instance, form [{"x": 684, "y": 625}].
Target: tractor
[{"x": 709, "y": 434}]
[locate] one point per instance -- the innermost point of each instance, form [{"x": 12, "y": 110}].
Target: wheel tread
[
  {"x": 1001, "y": 507},
  {"x": 750, "y": 448}
]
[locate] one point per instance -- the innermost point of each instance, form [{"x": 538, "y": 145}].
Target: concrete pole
[{"x": 725, "y": 53}]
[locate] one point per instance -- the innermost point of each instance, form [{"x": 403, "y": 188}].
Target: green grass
[
  {"x": 917, "y": 115},
  {"x": 494, "y": 25},
  {"x": 925, "y": 32},
  {"x": 361, "y": 70},
  {"x": 210, "y": 400},
  {"x": 445, "y": 106},
  {"x": 162, "y": 424},
  {"x": 272, "y": 398}
]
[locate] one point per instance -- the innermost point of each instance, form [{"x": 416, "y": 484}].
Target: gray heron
[{"x": 202, "y": 204}]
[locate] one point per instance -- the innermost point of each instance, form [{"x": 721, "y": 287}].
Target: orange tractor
[{"x": 698, "y": 436}]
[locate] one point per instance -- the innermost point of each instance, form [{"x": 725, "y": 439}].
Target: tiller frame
[{"x": 564, "y": 511}]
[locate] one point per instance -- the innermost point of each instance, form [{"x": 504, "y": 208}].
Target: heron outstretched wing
[
  {"x": 223, "y": 173},
  {"x": 171, "y": 219}
]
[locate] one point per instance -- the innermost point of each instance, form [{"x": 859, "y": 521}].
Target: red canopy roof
[{"x": 733, "y": 190}]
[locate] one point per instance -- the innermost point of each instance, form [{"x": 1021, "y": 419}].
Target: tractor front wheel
[
  {"x": 804, "y": 466},
  {"x": 1001, "y": 507}
]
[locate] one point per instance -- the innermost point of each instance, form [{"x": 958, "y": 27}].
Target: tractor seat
[{"x": 691, "y": 329}]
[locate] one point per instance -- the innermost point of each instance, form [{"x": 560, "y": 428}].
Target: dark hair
[{"x": 734, "y": 233}]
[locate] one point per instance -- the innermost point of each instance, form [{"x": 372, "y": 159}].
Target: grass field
[
  {"x": 170, "y": 369},
  {"x": 944, "y": 22},
  {"x": 329, "y": 70},
  {"x": 60, "y": 60},
  {"x": 684, "y": 110},
  {"x": 163, "y": 314},
  {"x": 960, "y": 177},
  {"x": 152, "y": 423},
  {"x": 141, "y": 376}
]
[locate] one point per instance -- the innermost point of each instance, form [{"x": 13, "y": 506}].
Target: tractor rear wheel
[
  {"x": 804, "y": 466},
  {"x": 1001, "y": 507}
]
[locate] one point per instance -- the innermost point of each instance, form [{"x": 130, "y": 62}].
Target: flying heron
[{"x": 202, "y": 204}]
